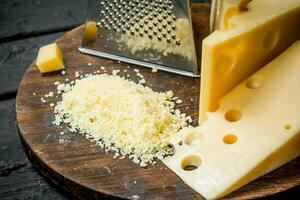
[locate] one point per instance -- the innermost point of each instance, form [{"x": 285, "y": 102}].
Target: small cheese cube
[
  {"x": 50, "y": 58},
  {"x": 91, "y": 31}
]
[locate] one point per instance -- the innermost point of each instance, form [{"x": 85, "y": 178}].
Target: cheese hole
[
  {"x": 194, "y": 138},
  {"x": 170, "y": 149},
  {"x": 229, "y": 139},
  {"x": 93, "y": 119},
  {"x": 288, "y": 126},
  {"x": 226, "y": 65},
  {"x": 214, "y": 108},
  {"x": 190, "y": 163},
  {"x": 233, "y": 115},
  {"x": 253, "y": 83},
  {"x": 271, "y": 40}
]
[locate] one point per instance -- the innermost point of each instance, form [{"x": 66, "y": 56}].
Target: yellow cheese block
[
  {"x": 255, "y": 130},
  {"x": 234, "y": 13},
  {"x": 50, "y": 58},
  {"x": 90, "y": 31},
  {"x": 229, "y": 57}
]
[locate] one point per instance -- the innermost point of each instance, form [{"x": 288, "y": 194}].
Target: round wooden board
[{"x": 76, "y": 164}]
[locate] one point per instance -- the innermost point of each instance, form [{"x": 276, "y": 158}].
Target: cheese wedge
[
  {"x": 50, "y": 58},
  {"x": 234, "y": 13},
  {"x": 255, "y": 130},
  {"x": 229, "y": 57}
]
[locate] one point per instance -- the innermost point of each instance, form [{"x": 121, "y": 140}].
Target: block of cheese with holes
[
  {"x": 255, "y": 130},
  {"x": 229, "y": 57},
  {"x": 234, "y": 13}
]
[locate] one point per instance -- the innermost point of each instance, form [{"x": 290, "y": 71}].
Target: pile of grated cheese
[{"x": 121, "y": 116}]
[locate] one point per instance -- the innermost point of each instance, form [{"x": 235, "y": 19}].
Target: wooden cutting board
[{"x": 77, "y": 165}]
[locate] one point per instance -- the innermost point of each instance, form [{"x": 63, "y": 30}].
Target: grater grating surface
[{"x": 153, "y": 33}]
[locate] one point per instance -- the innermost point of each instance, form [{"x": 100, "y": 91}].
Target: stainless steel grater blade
[{"x": 153, "y": 33}]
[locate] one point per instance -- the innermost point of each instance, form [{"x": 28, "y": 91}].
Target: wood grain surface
[
  {"x": 36, "y": 17},
  {"x": 18, "y": 177},
  {"x": 15, "y": 57},
  {"x": 79, "y": 166}
]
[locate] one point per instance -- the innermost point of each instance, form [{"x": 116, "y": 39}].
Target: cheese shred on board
[{"x": 121, "y": 116}]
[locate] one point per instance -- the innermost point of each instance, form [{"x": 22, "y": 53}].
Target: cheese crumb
[
  {"x": 121, "y": 116},
  {"x": 154, "y": 70},
  {"x": 63, "y": 72},
  {"x": 170, "y": 94},
  {"x": 189, "y": 118},
  {"x": 179, "y": 101},
  {"x": 63, "y": 87},
  {"x": 142, "y": 81},
  {"x": 115, "y": 72},
  {"x": 135, "y": 197},
  {"x": 50, "y": 94},
  {"x": 139, "y": 75},
  {"x": 77, "y": 74}
]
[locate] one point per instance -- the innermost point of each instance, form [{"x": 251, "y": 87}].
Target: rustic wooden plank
[
  {"x": 19, "y": 19},
  {"x": 15, "y": 57},
  {"x": 18, "y": 178},
  {"x": 87, "y": 170}
]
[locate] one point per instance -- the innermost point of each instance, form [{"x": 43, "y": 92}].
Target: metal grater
[{"x": 153, "y": 33}]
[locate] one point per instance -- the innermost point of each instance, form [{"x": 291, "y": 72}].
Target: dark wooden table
[{"x": 24, "y": 27}]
